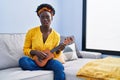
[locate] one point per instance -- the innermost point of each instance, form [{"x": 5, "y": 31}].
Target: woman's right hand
[{"x": 39, "y": 54}]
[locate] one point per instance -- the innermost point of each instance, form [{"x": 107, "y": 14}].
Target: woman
[{"x": 40, "y": 38}]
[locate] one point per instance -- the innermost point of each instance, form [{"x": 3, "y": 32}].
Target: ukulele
[{"x": 50, "y": 55}]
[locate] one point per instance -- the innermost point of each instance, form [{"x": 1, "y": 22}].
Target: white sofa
[{"x": 11, "y": 45}]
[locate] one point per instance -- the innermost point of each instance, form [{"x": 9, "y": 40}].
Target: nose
[{"x": 45, "y": 19}]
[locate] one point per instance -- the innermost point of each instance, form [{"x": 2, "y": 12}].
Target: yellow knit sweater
[{"x": 34, "y": 41}]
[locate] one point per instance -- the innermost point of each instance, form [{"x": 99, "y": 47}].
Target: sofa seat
[
  {"x": 72, "y": 67},
  {"x": 18, "y": 74}
]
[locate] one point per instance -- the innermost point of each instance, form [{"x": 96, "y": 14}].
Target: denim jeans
[{"x": 27, "y": 63}]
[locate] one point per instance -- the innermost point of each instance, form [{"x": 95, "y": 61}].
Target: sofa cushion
[
  {"x": 72, "y": 67},
  {"x": 10, "y": 49},
  {"x": 93, "y": 55},
  {"x": 18, "y": 74}
]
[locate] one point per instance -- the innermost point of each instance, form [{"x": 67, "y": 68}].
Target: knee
[
  {"x": 60, "y": 67},
  {"x": 57, "y": 66},
  {"x": 23, "y": 61}
]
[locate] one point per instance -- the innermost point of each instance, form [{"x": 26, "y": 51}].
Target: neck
[{"x": 45, "y": 28}]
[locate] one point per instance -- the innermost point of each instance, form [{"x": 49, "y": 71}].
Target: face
[{"x": 45, "y": 18}]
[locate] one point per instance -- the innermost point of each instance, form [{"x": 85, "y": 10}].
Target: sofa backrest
[{"x": 11, "y": 49}]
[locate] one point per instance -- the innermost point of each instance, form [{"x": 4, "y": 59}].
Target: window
[{"x": 101, "y": 26}]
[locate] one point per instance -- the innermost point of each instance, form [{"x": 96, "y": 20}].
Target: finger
[
  {"x": 40, "y": 55},
  {"x": 44, "y": 54}
]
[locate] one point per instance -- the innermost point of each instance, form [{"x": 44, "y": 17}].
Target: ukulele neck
[{"x": 56, "y": 48}]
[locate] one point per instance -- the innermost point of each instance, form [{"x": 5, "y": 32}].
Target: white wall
[
  {"x": 17, "y": 16},
  {"x": 71, "y": 19}
]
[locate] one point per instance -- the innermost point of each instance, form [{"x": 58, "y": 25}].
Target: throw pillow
[
  {"x": 70, "y": 52},
  {"x": 61, "y": 58},
  {"x": 76, "y": 48}
]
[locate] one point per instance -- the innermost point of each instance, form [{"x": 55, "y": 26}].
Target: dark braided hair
[{"x": 47, "y": 6}]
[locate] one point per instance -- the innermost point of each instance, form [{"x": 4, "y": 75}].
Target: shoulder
[
  {"x": 33, "y": 30},
  {"x": 56, "y": 33}
]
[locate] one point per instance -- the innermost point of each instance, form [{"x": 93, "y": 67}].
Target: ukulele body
[
  {"x": 50, "y": 55},
  {"x": 42, "y": 63}
]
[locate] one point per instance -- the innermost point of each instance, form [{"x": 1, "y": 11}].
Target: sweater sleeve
[
  {"x": 57, "y": 40},
  {"x": 27, "y": 44}
]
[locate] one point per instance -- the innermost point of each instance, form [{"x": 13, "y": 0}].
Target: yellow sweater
[{"x": 34, "y": 41}]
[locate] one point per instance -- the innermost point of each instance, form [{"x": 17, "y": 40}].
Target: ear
[{"x": 51, "y": 17}]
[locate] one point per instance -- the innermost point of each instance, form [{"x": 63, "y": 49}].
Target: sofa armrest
[{"x": 93, "y": 55}]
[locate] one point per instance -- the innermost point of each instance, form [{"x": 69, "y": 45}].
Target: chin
[{"x": 46, "y": 26}]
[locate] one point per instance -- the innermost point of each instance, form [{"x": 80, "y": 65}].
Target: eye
[
  {"x": 47, "y": 17},
  {"x": 44, "y": 17}
]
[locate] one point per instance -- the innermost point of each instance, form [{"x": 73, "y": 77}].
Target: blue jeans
[{"x": 27, "y": 63}]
